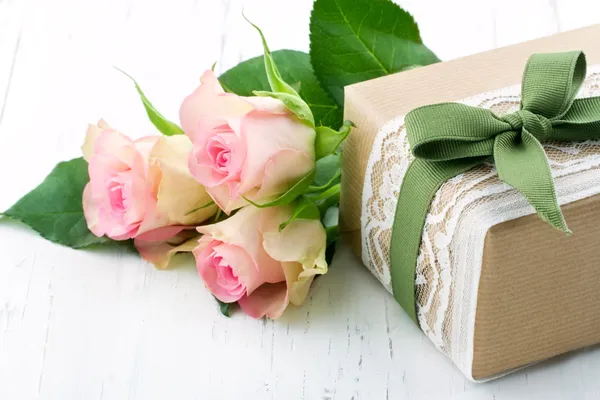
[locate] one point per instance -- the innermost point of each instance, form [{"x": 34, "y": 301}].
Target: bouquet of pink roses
[
  {"x": 249, "y": 185},
  {"x": 249, "y": 182}
]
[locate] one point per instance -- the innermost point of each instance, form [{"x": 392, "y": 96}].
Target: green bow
[{"x": 449, "y": 138}]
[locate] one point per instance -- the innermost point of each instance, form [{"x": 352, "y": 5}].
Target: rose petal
[
  {"x": 153, "y": 219},
  {"x": 178, "y": 192},
  {"x": 161, "y": 253},
  {"x": 271, "y": 300},
  {"x": 268, "y": 104},
  {"x": 162, "y": 234},
  {"x": 209, "y": 100},
  {"x": 202, "y": 164},
  {"x": 222, "y": 196},
  {"x": 241, "y": 230},
  {"x": 299, "y": 281},
  {"x": 204, "y": 254},
  {"x": 136, "y": 196},
  {"x": 145, "y": 145},
  {"x": 302, "y": 240},
  {"x": 241, "y": 262},
  {"x": 91, "y": 136},
  {"x": 115, "y": 147},
  {"x": 91, "y": 211},
  {"x": 266, "y": 135},
  {"x": 268, "y": 300},
  {"x": 282, "y": 171}
]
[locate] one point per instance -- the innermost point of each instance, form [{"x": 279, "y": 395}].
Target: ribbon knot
[
  {"x": 448, "y": 139},
  {"x": 538, "y": 125},
  {"x": 515, "y": 120}
]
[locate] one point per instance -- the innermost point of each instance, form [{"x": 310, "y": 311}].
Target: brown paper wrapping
[{"x": 539, "y": 291}]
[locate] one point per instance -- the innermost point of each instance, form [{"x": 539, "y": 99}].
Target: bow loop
[
  {"x": 551, "y": 81},
  {"x": 450, "y": 131}
]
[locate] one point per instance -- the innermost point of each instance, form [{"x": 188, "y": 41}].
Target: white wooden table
[{"x": 106, "y": 325}]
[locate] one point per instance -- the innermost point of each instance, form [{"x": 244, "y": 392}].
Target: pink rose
[
  {"x": 137, "y": 187},
  {"x": 250, "y": 146},
  {"x": 245, "y": 258}
]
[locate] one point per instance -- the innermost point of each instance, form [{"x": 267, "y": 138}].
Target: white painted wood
[
  {"x": 99, "y": 324},
  {"x": 11, "y": 18}
]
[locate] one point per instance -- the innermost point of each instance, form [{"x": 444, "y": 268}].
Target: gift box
[{"x": 496, "y": 288}]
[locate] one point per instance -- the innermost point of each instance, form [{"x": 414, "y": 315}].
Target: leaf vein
[
  {"x": 360, "y": 39},
  {"x": 393, "y": 47}
]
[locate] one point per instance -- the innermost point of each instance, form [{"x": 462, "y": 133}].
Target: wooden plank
[{"x": 11, "y": 18}]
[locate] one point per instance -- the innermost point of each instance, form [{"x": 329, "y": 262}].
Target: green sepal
[
  {"x": 304, "y": 208},
  {"x": 295, "y": 68},
  {"x": 326, "y": 199},
  {"x": 225, "y": 308},
  {"x": 275, "y": 81},
  {"x": 54, "y": 208},
  {"x": 161, "y": 123},
  {"x": 289, "y": 196},
  {"x": 293, "y": 103},
  {"x": 328, "y": 140},
  {"x": 218, "y": 215},
  {"x": 210, "y": 203},
  {"x": 328, "y": 172}
]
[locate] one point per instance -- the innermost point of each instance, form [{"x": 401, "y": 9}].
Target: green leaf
[
  {"x": 303, "y": 209},
  {"x": 331, "y": 217},
  {"x": 165, "y": 126},
  {"x": 328, "y": 140},
  {"x": 225, "y": 308},
  {"x": 327, "y": 198},
  {"x": 295, "y": 68},
  {"x": 330, "y": 222},
  {"x": 293, "y": 103},
  {"x": 356, "y": 40},
  {"x": 290, "y": 195},
  {"x": 328, "y": 172},
  {"x": 54, "y": 208}
]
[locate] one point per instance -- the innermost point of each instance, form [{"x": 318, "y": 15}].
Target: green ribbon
[{"x": 448, "y": 139}]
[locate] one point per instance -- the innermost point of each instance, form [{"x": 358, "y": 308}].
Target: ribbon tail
[
  {"x": 419, "y": 186},
  {"x": 522, "y": 163}
]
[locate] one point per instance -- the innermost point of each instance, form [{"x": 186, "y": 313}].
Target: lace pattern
[{"x": 450, "y": 257}]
